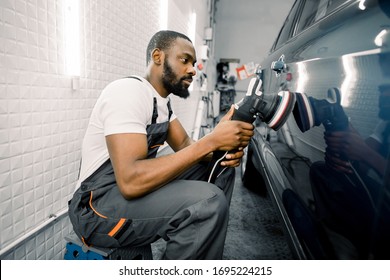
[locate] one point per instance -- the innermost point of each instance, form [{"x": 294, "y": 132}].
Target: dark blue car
[{"x": 327, "y": 168}]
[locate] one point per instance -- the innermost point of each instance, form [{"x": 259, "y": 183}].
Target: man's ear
[{"x": 157, "y": 56}]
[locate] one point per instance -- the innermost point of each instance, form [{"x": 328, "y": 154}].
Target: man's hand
[
  {"x": 346, "y": 146},
  {"x": 232, "y": 136},
  {"x": 228, "y": 116},
  {"x": 233, "y": 159}
]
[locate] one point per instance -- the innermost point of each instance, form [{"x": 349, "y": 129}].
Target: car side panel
[{"x": 340, "y": 51}]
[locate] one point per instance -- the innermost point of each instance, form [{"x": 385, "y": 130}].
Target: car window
[
  {"x": 314, "y": 10},
  {"x": 287, "y": 30}
]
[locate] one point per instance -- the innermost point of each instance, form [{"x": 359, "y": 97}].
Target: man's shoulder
[
  {"x": 134, "y": 86},
  {"x": 130, "y": 81}
]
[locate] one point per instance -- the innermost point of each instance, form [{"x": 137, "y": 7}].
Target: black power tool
[
  {"x": 310, "y": 112},
  {"x": 271, "y": 108}
]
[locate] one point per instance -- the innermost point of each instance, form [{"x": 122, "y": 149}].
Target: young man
[{"x": 125, "y": 194}]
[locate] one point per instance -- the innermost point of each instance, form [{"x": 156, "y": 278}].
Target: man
[{"x": 127, "y": 196}]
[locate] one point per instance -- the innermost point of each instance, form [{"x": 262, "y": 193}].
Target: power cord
[{"x": 215, "y": 166}]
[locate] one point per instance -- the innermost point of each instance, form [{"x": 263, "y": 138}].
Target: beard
[{"x": 172, "y": 84}]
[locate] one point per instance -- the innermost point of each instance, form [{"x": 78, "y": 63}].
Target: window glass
[
  {"x": 287, "y": 30},
  {"x": 314, "y": 10}
]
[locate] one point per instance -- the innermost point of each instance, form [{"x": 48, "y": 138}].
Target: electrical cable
[{"x": 215, "y": 165}]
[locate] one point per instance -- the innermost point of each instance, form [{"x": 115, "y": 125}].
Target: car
[{"x": 327, "y": 167}]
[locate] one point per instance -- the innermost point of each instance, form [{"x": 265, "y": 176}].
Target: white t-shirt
[{"x": 124, "y": 106}]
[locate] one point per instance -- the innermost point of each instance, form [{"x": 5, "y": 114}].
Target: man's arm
[
  {"x": 137, "y": 176},
  {"x": 179, "y": 139},
  {"x": 177, "y": 136}
]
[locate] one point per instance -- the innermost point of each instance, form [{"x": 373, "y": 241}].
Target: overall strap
[
  {"x": 155, "y": 111},
  {"x": 169, "y": 110},
  {"x": 134, "y": 77}
]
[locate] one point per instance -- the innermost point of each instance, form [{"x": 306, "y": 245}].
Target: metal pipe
[
  {"x": 26, "y": 236},
  {"x": 198, "y": 119}
]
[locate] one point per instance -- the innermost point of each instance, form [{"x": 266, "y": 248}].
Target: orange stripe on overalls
[
  {"x": 93, "y": 209},
  {"x": 117, "y": 227}
]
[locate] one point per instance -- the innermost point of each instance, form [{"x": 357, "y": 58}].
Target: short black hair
[{"x": 163, "y": 40}]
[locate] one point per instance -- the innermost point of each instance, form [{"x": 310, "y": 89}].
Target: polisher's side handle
[{"x": 245, "y": 110}]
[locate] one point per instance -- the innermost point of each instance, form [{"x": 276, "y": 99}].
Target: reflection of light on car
[
  {"x": 302, "y": 77},
  {"x": 349, "y": 80},
  {"x": 351, "y": 73},
  {"x": 379, "y": 38},
  {"x": 362, "y": 5}
]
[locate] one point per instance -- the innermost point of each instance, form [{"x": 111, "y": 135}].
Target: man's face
[
  {"x": 174, "y": 84},
  {"x": 179, "y": 68}
]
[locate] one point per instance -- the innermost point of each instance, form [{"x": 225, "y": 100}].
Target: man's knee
[
  {"x": 216, "y": 205},
  {"x": 204, "y": 204}
]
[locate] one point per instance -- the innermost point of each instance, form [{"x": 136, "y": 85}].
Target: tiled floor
[{"x": 254, "y": 231}]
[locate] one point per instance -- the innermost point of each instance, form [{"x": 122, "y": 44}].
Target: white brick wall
[{"x": 42, "y": 120}]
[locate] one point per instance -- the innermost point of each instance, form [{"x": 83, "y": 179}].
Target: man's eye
[{"x": 184, "y": 60}]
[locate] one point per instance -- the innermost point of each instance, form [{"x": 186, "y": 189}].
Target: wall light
[
  {"x": 192, "y": 28},
  {"x": 163, "y": 14},
  {"x": 192, "y": 36},
  {"x": 71, "y": 37}
]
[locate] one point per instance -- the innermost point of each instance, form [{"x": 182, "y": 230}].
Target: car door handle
[
  {"x": 383, "y": 37},
  {"x": 278, "y": 66}
]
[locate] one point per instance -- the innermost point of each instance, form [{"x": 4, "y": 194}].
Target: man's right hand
[{"x": 231, "y": 134}]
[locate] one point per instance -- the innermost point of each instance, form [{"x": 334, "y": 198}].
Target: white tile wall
[{"x": 42, "y": 121}]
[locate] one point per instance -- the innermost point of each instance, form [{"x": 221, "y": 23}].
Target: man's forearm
[{"x": 148, "y": 175}]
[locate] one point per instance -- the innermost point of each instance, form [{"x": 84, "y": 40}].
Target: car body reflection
[{"x": 331, "y": 183}]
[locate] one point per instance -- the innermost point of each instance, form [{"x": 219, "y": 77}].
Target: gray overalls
[{"x": 190, "y": 214}]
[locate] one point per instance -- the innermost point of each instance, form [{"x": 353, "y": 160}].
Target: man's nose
[{"x": 191, "y": 70}]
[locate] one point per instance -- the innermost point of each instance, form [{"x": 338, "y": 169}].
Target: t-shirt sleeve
[{"x": 125, "y": 107}]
